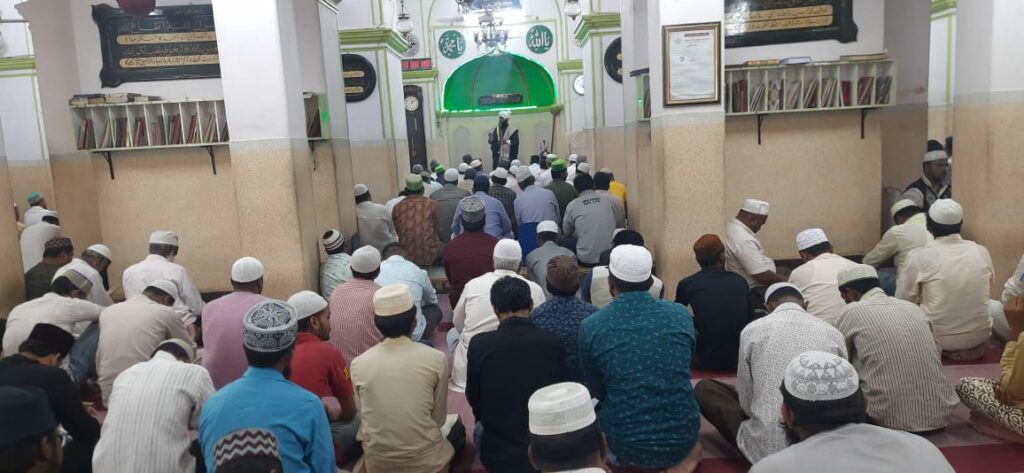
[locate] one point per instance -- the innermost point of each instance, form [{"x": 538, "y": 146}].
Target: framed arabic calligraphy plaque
[
  {"x": 171, "y": 43},
  {"x": 760, "y": 22}
]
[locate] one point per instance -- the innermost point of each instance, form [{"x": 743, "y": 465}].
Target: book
[
  {"x": 81, "y": 136},
  {"x": 175, "y": 130},
  {"x": 139, "y": 136},
  {"x": 796, "y": 60},
  {"x": 121, "y": 97},
  {"x": 793, "y": 95},
  {"x": 882, "y": 89},
  {"x": 105, "y": 141},
  {"x": 224, "y": 133},
  {"x": 143, "y": 98},
  {"x": 775, "y": 94},
  {"x": 864, "y": 86},
  {"x": 162, "y": 136},
  {"x": 190, "y": 137},
  {"x": 211, "y": 126},
  {"x": 865, "y": 57},
  {"x": 811, "y": 94},
  {"x": 739, "y": 96},
  {"x": 79, "y": 100},
  {"x": 757, "y": 98},
  {"x": 828, "y": 92},
  {"x": 845, "y": 96}
]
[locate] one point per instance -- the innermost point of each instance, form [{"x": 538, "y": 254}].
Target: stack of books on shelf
[
  {"x": 811, "y": 94},
  {"x": 792, "y": 95},
  {"x": 86, "y": 138},
  {"x": 739, "y": 96},
  {"x": 757, "y": 98},
  {"x": 864, "y": 86},
  {"x": 828, "y": 91},
  {"x": 80, "y": 100},
  {"x": 882, "y": 92}
]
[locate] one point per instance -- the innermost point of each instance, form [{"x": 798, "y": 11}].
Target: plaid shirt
[{"x": 507, "y": 197}]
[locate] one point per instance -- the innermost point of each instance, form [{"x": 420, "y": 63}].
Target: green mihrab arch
[{"x": 494, "y": 74}]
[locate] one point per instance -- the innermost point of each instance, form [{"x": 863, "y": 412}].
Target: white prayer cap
[
  {"x": 270, "y": 326},
  {"x": 246, "y": 269},
  {"x": 101, "y": 250},
  {"x": 779, "y": 285},
  {"x": 573, "y": 157},
  {"x": 547, "y": 226},
  {"x": 631, "y": 263},
  {"x": 504, "y": 114},
  {"x": 187, "y": 347},
  {"x": 361, "y": 189},
  {"x": 332, "y": 240},
  {"x": 809, "y": 238},
  {"x": 508, "y": 249},
  {"x": 523, "y": 174},
  {"x": 551, "y": 157},
  {"x": 307, "y": 303},
  {"x": 164, "y": 237},
  {"x": 167, "y": 286},
  {"x": 946, "y": 212},
  {"x": 476, "y": 163},
  {"x": 756, "y": 207},
  {"x": 463, "y": 167},
  {"x": 583, "y": 167},
  {"x": 606, "y": 170},
  {"x": 513, "y": 170},
  {"x": 500, "y": 173},
  {"x": 516, "y": 162},
  {"x": 820, "y": 376},
  {"x": 365, "y": 260},
  {"x": 560, "y": 408},
  {"x": 900, "y": 205},
  {"x": 451, "y": 174},
  {"x": 934, "y": 156},
  {"x": 856, "y": 273},
  {"x": 393, "y": 299}
]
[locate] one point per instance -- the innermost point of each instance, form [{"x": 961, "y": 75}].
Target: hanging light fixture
[
  {"x": 404, "y": 24},
  {"x": 573, "y": 9},
  {"x": 491, "y": 33}
]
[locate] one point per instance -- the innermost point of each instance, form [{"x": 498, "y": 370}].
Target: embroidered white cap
[
  {"x": 167, "y": 286},
  {"x": 451, "y": 175},
  {"x": 246, "y": 269},
  {"x": 393, "y": 299},
  {"x": 946, "y": 212},
  {"x": 102, "y": 250},
  {"x": 361, "y": 189},
  {"x": 900, "y": 205},
  {"x": 560, "y": 408},
  {"x": 856, "y": 273},
  {"x": 631, "y": 263},
  {"x": 820, "y": 376},
  {"x": 500, "y": 173},
  {"x": 365, "y": 260},
  {"x": 756, "y": 207},
  {"x": 809, "y": 238},
  {"x": 573, "y": 157},
  {"x": 504, "y": 114},
  {"x": 307, "y": 303},
  {"x": 508, "y": 249}
]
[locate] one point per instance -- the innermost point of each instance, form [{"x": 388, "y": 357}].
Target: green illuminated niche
[{"x": 497, "y": 75}]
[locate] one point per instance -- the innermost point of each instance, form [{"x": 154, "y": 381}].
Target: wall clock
[{"x": 577, "y": 85}]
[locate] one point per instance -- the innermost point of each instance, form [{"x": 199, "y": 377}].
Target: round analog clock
[
  {"x": 412, "y": 103},
  {"x": 577, "y": 85}
]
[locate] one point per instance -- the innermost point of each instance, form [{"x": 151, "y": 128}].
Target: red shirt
[
  {"x": 469, "y": 255},
  {"x": 319, "y": 368}
]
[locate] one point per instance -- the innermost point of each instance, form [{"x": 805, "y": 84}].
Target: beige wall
[
  {"x": 12, "y": 281},
  {"x": 609, "y": 150},
  {"x": 815, "y": 170},
  {"x": 325, "y": 194},
  {"x": 373, "y": 164},
  {"x": 904, "y": 142},
  {"x": 74, "y": 180},
  {"x": 940, "y": 123}
]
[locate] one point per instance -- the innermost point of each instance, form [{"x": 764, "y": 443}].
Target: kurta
[
  {"x": 744, "y": 254},
  {"x": 352, "y": 328},
  {"x": 398, "y": 270},
  {"x": 496, "y": 221},
  {"x": 447, "y": 202},
  {"x": 415, "y": 219},
  {"x": 899, "y": 240},
  {"x": 64, "y": 312},
  {"x": 467, "y": 257},
  {"x": 335, "y": 271},
  {"x": 222, "y": 333},
  {"x": 97, "y": 294},
  {"x": 33, "y": 243},
  {"x": 154, "y": 268},
  {"x": 818, "y": 281},
  {"x": 376, "y": 228}
]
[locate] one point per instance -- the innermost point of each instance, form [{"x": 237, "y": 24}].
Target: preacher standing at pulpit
[{"x": 504, "y": 140}]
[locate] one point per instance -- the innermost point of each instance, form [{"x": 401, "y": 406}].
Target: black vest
[{"x": 930, "y": 196}]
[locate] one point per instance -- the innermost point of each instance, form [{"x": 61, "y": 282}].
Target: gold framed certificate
[{"x": 691, "y": 63}]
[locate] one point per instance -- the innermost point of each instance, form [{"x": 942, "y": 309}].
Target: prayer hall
[{"x": 511, "y": 236}]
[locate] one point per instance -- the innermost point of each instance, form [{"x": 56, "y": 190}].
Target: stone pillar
[
  {"x": 987, "y": 112},
  {"x": 12, "y": 280},
  {"x": 270, "y": 158},
  {"x": 603, "y": 125}
]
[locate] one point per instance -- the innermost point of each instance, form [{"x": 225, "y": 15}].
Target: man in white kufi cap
[
  {"x": 222, "y": 322},
  {"x": 131, "y": 330},
  {"x": 891, "y": 345},
  {"x": 336, "y": 269},
  {"x": 932, "y": 185},
  {"x": 816, "y": 278},
  {"x": 547, "y": 248},
  {"x": 564, "y": 433},
  {"x": 951, "y": 279},
  {"x": 815, "y": 383},
  {"x": 909, "y": 233},
  {"x": 504, "y": 140},
  {"x": 163, "y": 248},
  {"x": 376, "y": 228},
  {"x": 352, "y": 329},
  {"x": 744, "y": 254},
  {"x": 747, "y": 414},
  {"x": 474, "y": 314},
  {"x": 93, "y": 264},
  {"x": 448, "y": 199}
]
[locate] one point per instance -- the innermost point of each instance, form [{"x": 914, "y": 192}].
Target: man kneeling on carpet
[{"x": 824, "y": 414}]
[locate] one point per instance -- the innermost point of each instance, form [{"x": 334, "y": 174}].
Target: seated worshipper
[
  {"x": 429, "y": 184},
  {"x": 562, "y": 313},
  {"x": 223, "y": 355},
  {"x": 720, "y": 306},
  {"x": 910, "y": 394},
  {"x": 400, "y": 387},
  {"x": 468, "y": 178},
  {"x": 584, "y": 168},
  {"x": 376, "y": 228},
  {"x": 36, "y": 210},
  {"x": 415, "y": 220},
  {"x": 447, "y": 199},
  {"x": 496, "y": 221},
  {"x": 536, "y": 204},
  {"x": 635, "y": 354},
  {"x": 470, "y": 254},
  {"x": 950, "y": 279},
  {"x": 591, "y": 219},
  {"x": 396, "y": 269},
  {"x": 564, "y": 433},
  {"x": 335, "y": 269},
  {"x": 352, "y": 329},
  {"x": 319, "y": 367},
  {"x": 477, "y": 165},
  {"x": 997, "y": 405},
  {"x": 93, "y": 265},
  {"x": 602, "y": 184},
  {"x": 747, "y": 415},
  {"x": 545, "y": 176},
  {"x": 825, "y": 419},
  {"x": 131, "y": 330},
  {"x": 564, "y": 191},
  {"x": 64, "y": 307},
  {"x": 909, "y": 233},
  {"x": 35, "y": 364},
  {"x": 163, "y": 248},
  {"x": 264, "y": 398},
  {"x": 504, "y": 368},
  {"x": 535, "y": 165},
  {"x": 513, "y": 184},
  {"x": 1015, "y": 285},
  {"x": 816, "y": 278},
  {"x": 474, "y": 313},
  {"x": 58, "y": 253},
  {"x": 507, "y": 197},
  {"x": 744, "y": 254},
  {"x": 33, "y": 240},
  {"x": 537, "y": 260},
  {"x": 390, "y": 205},
  {"x": 154, "y": 407},
  {"x": 248, "y": 451},
  {"x": 30, "y": 440},
  {"x": 932, "y": 185},
  {"x": 595, "y": 288},
  {"x": 570, "y": 171},
  {"x": 617, "y": 188}
]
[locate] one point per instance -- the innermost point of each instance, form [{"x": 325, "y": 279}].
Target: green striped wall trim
[
  {"x": 941, "y": 6},
  {"x": 596, "y": 21},
  {"x": 18, "y": 63},
  {"x": 414, "y": 75},
  {"x": 385, "y": 36},
  {"x": 573, "y": 65}
]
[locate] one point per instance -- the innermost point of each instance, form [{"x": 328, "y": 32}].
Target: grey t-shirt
[
  {"x": 592, "y": 218},
  {"x": 537, "y": 263}
]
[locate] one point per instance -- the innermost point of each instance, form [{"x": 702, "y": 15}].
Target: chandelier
[{"x": 491, "y": 33}]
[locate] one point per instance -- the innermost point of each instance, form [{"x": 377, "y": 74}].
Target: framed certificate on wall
[{"x": 691, "y": 63}]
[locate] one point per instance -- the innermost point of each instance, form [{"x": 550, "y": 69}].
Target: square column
[
  {"x": 596, "y": 32},
  {"x": 12, "y": 280}
]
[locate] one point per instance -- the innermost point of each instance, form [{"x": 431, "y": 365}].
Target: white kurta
[
  {"x": 33, "y": 243},
  {"x": 97, "y": 295},
  {"x": 34, "y": 215},
  {"x": 64, "y": 312},
  {"x": 744, "y": 254},
  {"x": 153, "y": 407},
  {"x": 899, "y": 241},
  {"x": 154, "y": 268},
  {"x": 1015, "y": 285},
  {"x": 818, "y": 281}
]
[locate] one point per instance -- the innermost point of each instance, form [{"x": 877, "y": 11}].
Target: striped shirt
[
  {"x": 352, "y": 328},
  {"x": 153, "y": 407},
  {"x": 891, "y": 346}
]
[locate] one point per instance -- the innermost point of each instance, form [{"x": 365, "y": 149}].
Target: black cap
[
  {"x": 53, "y": 337},
  {"x": 26, "y": 414}
]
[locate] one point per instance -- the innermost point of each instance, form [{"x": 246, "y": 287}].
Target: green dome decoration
[{"x": 499, "y": 81}]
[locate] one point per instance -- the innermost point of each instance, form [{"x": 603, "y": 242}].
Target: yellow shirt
[
  {"x": 1012, "y": 380},
  {"x": 618, "y": 190}
]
